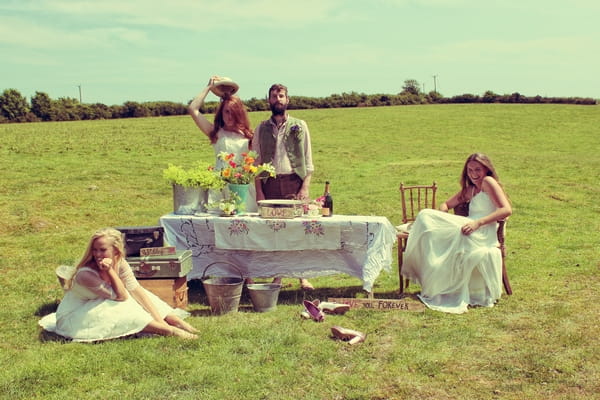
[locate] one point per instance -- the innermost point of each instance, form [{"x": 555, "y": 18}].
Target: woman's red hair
[{"x": 239, "y": 114}]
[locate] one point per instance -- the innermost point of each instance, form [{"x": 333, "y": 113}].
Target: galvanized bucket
[
  {"x": 264, "y": 296},
  {"x": 189, "y": 200},
  {"x": 64, "y": 273},
  {"x": 223, "y": 293}
]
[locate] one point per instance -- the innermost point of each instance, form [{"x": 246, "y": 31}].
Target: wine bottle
[{"x": 328, "y": 202}]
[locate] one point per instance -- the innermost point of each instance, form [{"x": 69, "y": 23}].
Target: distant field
[{"x": 61, "y": 181}]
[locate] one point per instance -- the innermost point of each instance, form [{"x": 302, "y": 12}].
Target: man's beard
[{"x": 278, "y": 108}]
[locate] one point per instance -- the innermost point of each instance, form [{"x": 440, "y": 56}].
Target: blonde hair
[{"x": 116, "y": 239}]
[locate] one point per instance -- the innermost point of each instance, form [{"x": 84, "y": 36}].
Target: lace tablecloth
[{"x": 360, "y": 246}]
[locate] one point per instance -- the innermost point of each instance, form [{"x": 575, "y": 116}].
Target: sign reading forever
[
  {"x": 157, "y": 251},
  {"x": 381, "y": 304}
]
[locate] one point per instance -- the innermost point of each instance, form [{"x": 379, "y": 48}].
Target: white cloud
[{"x": 20, "y": 32}]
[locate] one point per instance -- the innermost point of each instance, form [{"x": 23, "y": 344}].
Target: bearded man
[{"x": 284, "y": 141}]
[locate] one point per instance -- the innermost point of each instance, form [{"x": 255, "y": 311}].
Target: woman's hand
[
  {"x": 470, "y": 227},
  {"x": 106, "y": 264},
  {"x": 212, "y": 80}
]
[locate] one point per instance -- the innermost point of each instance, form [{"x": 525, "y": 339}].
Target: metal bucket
[
  {"x": 223, "y": 293},
  {"x": 264, "y": 296},
  {"x": 64, "y": 273},
  {"x": 189, "y": 200}
]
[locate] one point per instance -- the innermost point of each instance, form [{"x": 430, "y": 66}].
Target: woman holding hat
[{"x": 230, "y": 132}]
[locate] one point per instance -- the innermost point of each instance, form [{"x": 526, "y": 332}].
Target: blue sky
[{"x": 133, "y": 50}]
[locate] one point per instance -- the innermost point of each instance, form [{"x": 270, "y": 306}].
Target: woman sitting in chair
[{"x": 456, "y": 259}]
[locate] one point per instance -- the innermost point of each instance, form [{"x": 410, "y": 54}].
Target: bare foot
[
  {"x": 187, "y": 327},
  {"x": 183, "y": 334},
  {"x": 277, "y": 281},
  {"x": 306, "y": 285}
]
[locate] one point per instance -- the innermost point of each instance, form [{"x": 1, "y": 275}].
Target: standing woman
[
  {"x": 456, "y": 259},
  {"x": 230, "y": 132}
]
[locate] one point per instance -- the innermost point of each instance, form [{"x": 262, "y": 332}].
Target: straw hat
[{"x": 223, "y": 85}]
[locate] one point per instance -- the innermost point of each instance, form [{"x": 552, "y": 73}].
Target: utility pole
[
  {"x": 79, "y": 86},
  {"x": 435, "y": 83}
]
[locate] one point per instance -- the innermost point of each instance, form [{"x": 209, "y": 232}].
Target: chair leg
[
  {"x": 400, "y": 279},
  {"x": 402, "y": 282},
  {"x": 505, "y": 281}
]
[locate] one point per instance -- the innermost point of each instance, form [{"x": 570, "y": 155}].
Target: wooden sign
[
  {"x": 382, "y": 304},
  {"x": 157, "y": 251}
]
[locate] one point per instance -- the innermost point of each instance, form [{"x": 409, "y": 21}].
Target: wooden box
[
  {"x": 162, "y": 266},
  {"x": 138, "y": 237},
  {"x": 173, "y": 291}
]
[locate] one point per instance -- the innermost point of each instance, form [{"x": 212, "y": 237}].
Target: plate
[{"x": 279, "y": 203}]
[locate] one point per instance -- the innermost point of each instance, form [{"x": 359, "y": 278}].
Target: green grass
[{"x": 61, "y": 181}]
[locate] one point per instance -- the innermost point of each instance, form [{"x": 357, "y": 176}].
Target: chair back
[{"x": 415, "y": 198}]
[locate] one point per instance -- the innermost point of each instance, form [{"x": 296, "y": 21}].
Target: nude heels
[
  {"x": 331, "y": 307},
  {"x": 313, "y": 311},
  {"x": 348, "y": 335}
]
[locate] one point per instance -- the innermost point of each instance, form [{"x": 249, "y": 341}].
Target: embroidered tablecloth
[
  {"x": 276, "y": 234},
  {"x": 363, "y": 248}
]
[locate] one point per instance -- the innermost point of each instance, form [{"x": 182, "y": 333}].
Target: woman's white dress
[
  {"x": 233, "y": 142},
  {"x": 453, "y": 269},
  {"x": 84, "y": 316}
]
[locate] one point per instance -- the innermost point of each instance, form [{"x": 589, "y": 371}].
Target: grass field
[{"x": 62, "y": 181}]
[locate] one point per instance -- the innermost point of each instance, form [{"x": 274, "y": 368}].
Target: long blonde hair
[{"x": 116, "y": 239}]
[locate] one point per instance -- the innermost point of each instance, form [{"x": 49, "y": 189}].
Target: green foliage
[
  {"x": 13, "y": 106},
  {"x": 202, "y": 176}
]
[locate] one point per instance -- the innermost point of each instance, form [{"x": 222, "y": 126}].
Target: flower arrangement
[
  {"x": 295, "y": 130},
  {"x": 201, "y": 176},
  {"x": 229, "y": 204},
  {"x": 241, "y": 169}
]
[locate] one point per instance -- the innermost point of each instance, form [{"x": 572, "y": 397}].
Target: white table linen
[{"x": 360, "y": 246}]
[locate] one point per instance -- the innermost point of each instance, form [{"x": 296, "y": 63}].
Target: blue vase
[{"x": 241, "y": 189}]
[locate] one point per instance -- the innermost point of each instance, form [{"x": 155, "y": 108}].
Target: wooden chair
[
  {"x": 463, "y": 209},
  {"x": 414, "y": 199}
]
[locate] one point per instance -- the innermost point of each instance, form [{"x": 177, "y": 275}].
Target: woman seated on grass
[
  {"x": 456, "y": 259},
  {"x": 105, "y": 301}
]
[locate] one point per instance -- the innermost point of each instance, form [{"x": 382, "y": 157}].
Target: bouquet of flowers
[
  {"x": 229, "y": 204},
  {"x": 241, "y": 169}
]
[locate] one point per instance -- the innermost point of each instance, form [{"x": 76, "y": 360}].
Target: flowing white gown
[
  {"x": 84, "y": 316},
  {"x": 232, "y": 142},
  {"x": 453, "y": 269}
]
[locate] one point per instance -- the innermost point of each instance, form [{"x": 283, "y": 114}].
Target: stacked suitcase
[{"x": 164, "y": 270}]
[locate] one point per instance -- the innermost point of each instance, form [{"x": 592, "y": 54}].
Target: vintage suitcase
[
  {"x": 138, "y": 237},
  {"x": 167, "y": 266},
  {"x": 172, "y": 291}
]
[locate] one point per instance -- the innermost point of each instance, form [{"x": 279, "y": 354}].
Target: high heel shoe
[
  {"x": 348, "y": 335},
  {"x": 313, "y": 311},
  {"x": 331, "y": 307}
]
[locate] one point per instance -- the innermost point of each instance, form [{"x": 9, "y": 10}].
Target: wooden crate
[{"x": 173, "y": 291}]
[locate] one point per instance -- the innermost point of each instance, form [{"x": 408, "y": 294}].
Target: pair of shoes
[
  {"x": 306, "y": 285},
  {"x": 348, "y": 335},
  {"x": 313, "y": 311},
  {"x": 331, "y": 307}
]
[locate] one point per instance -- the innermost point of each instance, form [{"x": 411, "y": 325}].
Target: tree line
[{"x": 14, "y": 107}]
